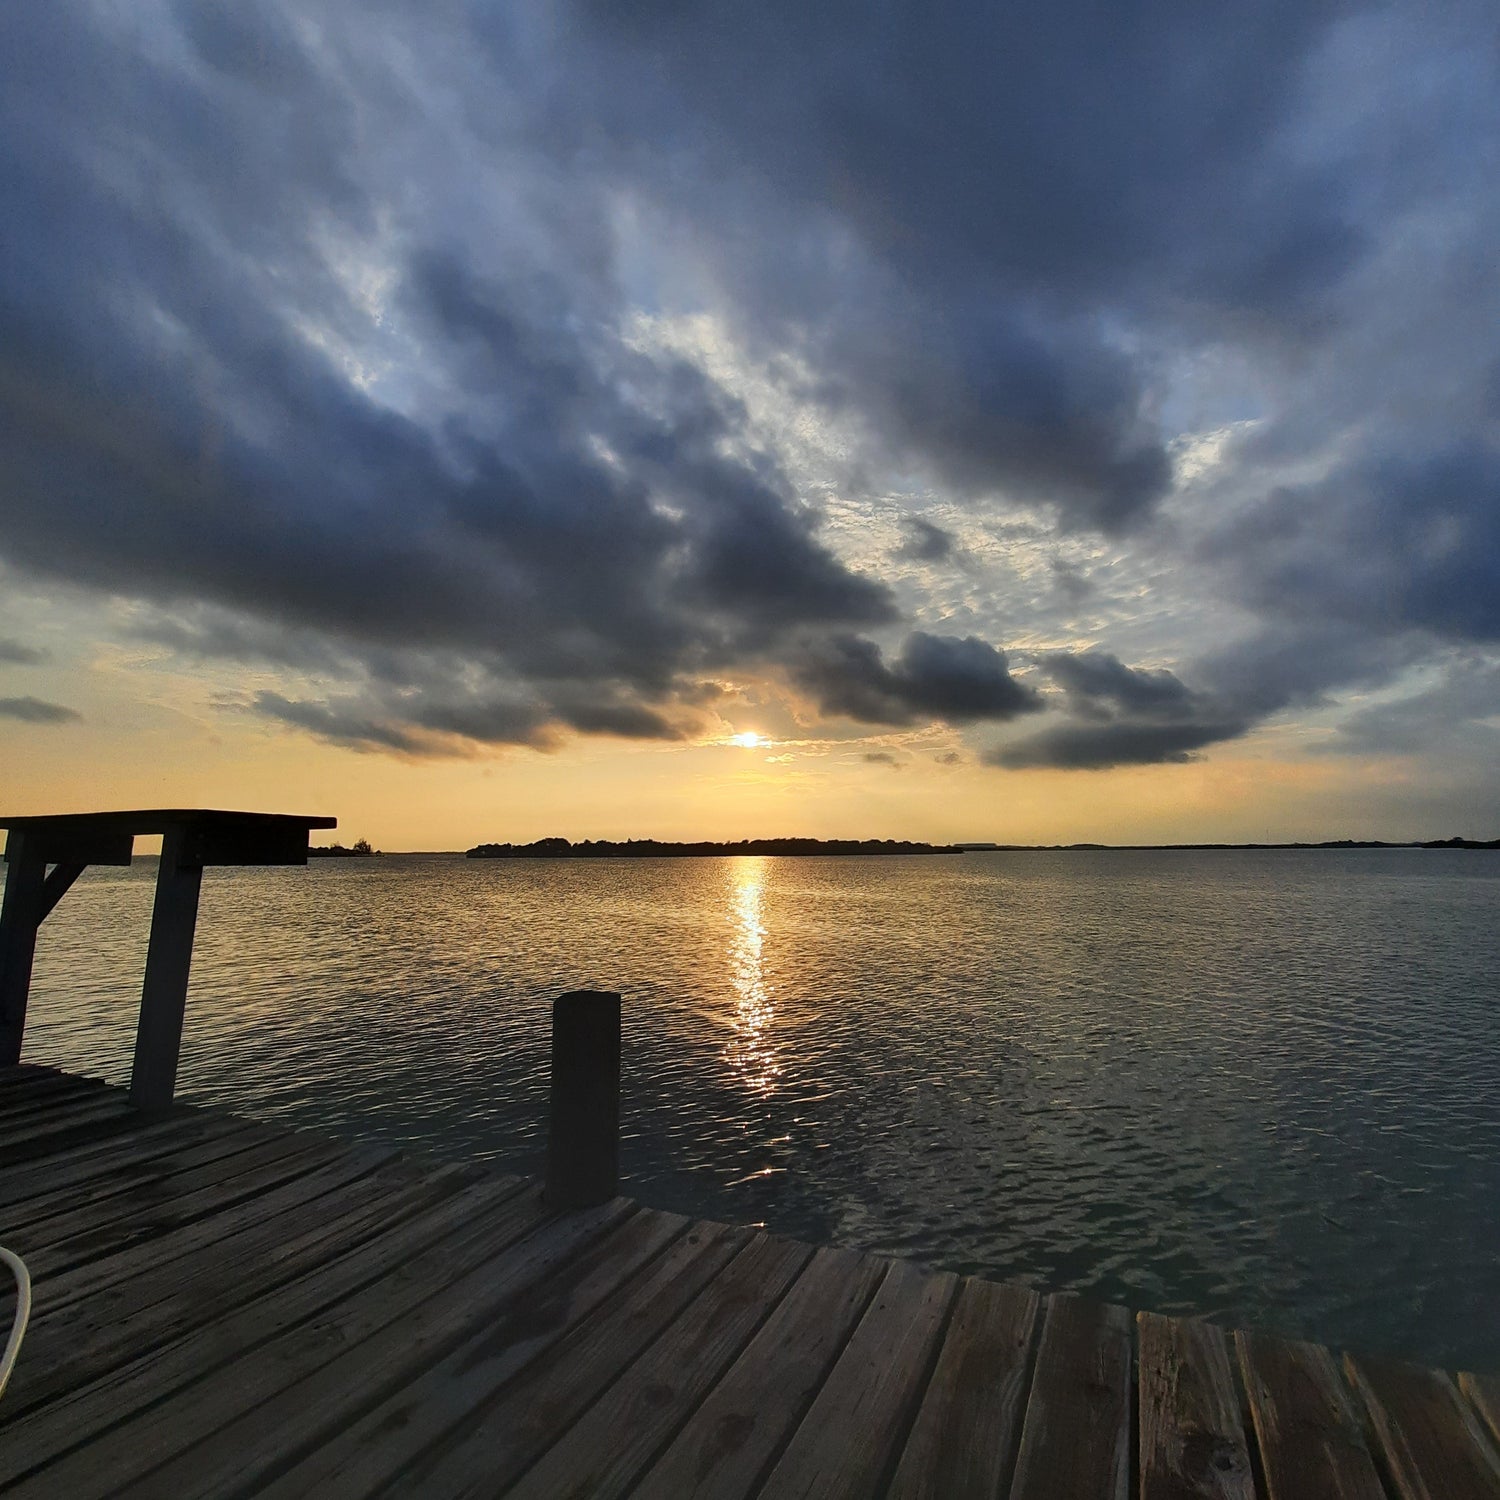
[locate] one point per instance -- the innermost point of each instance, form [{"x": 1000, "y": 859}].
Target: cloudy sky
[{"x": 1041, "y": 422}]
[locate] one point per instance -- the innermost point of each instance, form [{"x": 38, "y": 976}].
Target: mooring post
[
  {"x": 583, "y": 1138},
  {"x": 169, "y": 956},
  {"x": 21, "y": 915}
]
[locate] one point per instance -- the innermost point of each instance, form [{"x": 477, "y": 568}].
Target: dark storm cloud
[
  {"x": 961, "y": 680},
  {"x": 1099, "y": 747},
  {"x": 1390, "y": 542},
  {"x": 1460, "y": 709},
  {"x": 925, "y": 542},
  {"x": 1120, "y": 715},
  {"x": 36, "y": 711},
  {"x": 317, "y": 342},
  {"x": 586, "y": 519},
  {"x": 1100, "y": 685},
  {"x": 18, "y": 654},
  {"x": 939, "y": 207}
]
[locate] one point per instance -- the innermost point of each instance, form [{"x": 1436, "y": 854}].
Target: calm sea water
[{"x": 1261, "y": 1086}]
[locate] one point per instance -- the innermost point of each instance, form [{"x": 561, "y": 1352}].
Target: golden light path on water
[{"x": 751, "y": 1049}]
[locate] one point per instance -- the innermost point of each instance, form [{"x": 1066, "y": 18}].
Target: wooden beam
[
  {"x": 20, "y": 916},
  {"x": 58, "y": 883},
  {"x": 169, "y": 956},
  {"x": 251, "y": 842},
  {"x": 583, "y": 1140}
]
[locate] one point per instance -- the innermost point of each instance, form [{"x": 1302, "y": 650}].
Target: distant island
[
  {"x": 1453, "y": 843},
  {"x": 656, "y": 849},
  {"x": 559, "y": 848},
  {"x": 360, "y": 849}
]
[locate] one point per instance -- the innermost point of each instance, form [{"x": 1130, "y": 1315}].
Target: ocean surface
[{"x": 1262, "y": 1086}]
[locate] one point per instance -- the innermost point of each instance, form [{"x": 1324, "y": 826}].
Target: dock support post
[
  {"x": 169, "y": 956},
  {"x": 583, "y": 1140},
  {"x": 21, "y": 915}
]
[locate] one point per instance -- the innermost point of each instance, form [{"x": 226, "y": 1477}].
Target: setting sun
[{"x": 749, "y": 739}]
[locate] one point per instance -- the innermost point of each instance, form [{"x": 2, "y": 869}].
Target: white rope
[{"x": 23, "y": 1313}]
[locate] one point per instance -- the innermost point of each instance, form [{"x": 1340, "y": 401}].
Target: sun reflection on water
[{"x": 751, "y": 1049}]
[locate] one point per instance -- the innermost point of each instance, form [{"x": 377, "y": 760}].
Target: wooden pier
[{"x": 228, "y": 1308}]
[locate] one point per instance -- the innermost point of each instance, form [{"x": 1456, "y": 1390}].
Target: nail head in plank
[
  {"x": 1192, "y": 1443},
  {"x": 1434, "y": 1445},
  {"x": 964, "y": 1439},
  {"x": 1076, "y": 1437},
  {"x": 1311, "y": 1446}
]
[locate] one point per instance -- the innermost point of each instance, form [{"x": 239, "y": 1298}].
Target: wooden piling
[
  {"x": 21, "y": 915},
  {"x": 583, "y": 1139},
  {"x": 169, "y": 957}
]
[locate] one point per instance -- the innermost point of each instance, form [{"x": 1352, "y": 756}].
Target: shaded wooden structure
[
  {"x": 44, "y": 855},
  {"x": 230, "y": 1308}
]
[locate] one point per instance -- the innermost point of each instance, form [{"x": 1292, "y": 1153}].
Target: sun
[{"x": 749, "y": 739}]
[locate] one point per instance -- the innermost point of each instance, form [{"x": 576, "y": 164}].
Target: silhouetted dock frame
[{"x": 231, "y": 1308}]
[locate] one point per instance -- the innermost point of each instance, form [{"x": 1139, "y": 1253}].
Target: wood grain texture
[
  {"x": 1484, "y": 1392},
  {"x": 96, "y": 1404},
  {"x": 77, "y": 1123},
  {"x": 491, "y": 1453},
  {"x": 1433, "y": 1443},
  {"x": 633, "y": 1419},
  {"x": 1192, "y": 1444},
  {"x": 126, "y": 1322},
  {"x": 1076, "y": 1437},
  {"x": 95, "y": 1164},
  {"x": 187, "y": 1241},
  {"x": 1309, "y": 1437},
  {"x": 99, "y": 1226},
  {"x": 849, "y": 1438},
  {"x": 378, "y": 1449},
  {"x": 963, "y": 1441},
  {"x": 135, "y": 1177},
  {"x": 744, "y": 1423},
  {"x": 213, "y": 1431}
]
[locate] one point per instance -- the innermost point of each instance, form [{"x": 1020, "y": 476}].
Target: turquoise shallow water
[{"x": 1263, "y": 1086}]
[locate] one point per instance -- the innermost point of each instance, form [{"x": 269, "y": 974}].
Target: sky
[{"x": 1037, "y": 423}]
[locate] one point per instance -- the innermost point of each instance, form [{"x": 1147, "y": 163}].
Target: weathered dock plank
[
  {"x": 851, "y": 1434},
  {"x": 1076, "y": 1437},
  {"x": 1310, "y": 1442},
  {"x": 492, "y": 1452},
  {"x": 601, "y": 1453},
  {"x": 126, "y": 1187},
  {"x": 739, "y": 1431},
  {"x": 1484, "y": 1392},
  {"x": 1433, "y": 1444},
  {"x": 127, "y": 1158},
  {"x": 412, "y": 1423},
  {"x": 204, "y": 1345},
  {"x": 963, "y": 1442},
  {"x": 232, "y": 1309},
  {"x": 214, "y": 1428},
  {"x": 1191, "y": 1441}
]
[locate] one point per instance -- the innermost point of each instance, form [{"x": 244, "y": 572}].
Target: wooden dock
[{"x": 228, "y": 1308}]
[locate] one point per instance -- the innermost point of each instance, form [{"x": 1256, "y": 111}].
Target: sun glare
[{"x": 749, "y": 739}]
